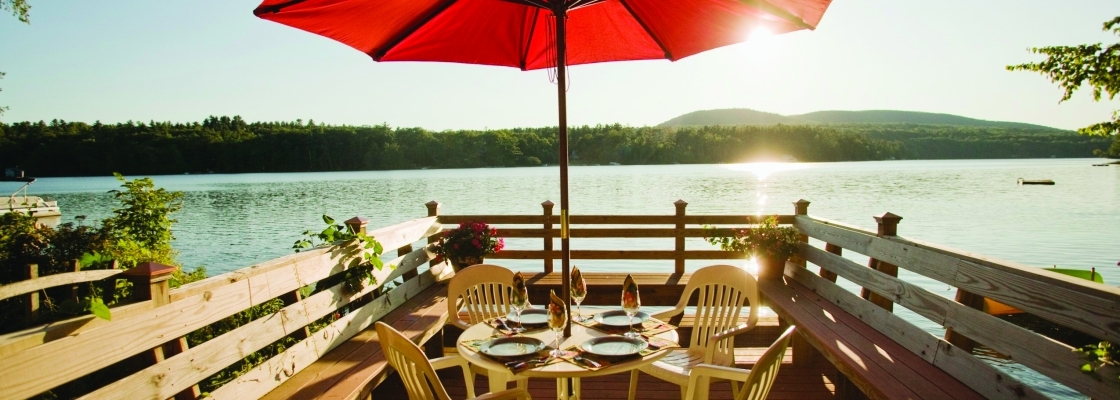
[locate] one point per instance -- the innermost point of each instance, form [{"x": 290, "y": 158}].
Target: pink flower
[{"x": 476, "y": 243}]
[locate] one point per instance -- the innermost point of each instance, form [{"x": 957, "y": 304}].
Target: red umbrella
[{"x": 526, "y": 34}]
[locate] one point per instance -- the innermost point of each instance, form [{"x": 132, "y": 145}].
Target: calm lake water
[{"x": 233, "y": 221}]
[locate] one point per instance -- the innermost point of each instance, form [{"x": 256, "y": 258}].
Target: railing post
[
  {"x": 888, "y": 226},
  {"x": 834, "y": 249},
  {"x": 357, "y": 224},
  {"x": 151, "y": 281},
  {"x": 800, "y": 207},
  {"x": 76, "y": 266},
  {"x": 970, "y": 300},
  {"x": 31, "y": 313},
  {"x": 546, "y": 207},
  {"x": 433, "y": 211},
  {"x": 678, "y": 267}
]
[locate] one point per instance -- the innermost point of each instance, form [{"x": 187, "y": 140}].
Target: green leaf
[
  {"x": 99, "y": 309},
  {"x": 377, "y": 247},
  {"x": 328, "y": 220},
  {"x": 377, "y": 263}
]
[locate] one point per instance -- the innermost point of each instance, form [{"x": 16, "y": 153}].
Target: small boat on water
[
  {"x": 45, "y": 211},
  {"x": 1035, "y": 181}
]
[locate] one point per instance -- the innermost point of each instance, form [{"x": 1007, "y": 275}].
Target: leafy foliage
[
  {"x": 763, "y": 240},
  {"x": 141, "y": 227},
  {"x": 1094, "y": 65},
  {"x": 20, "y": 9},
  {"x": 360, "y": 272},
  {"x": 1099, "y": 355},
  {"x": 470, "y": 239}
]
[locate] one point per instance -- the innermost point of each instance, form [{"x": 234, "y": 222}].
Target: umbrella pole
[{"x": 561, "y": 92}]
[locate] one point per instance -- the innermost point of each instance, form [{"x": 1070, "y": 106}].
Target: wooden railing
[
  {"x": 146, "y": 337},
  {"x": 152, "y": 328},
  {"x": 1088, "y": 307}
]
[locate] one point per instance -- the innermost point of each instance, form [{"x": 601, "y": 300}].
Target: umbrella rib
[
  {"x": 646, "y": 28},
  {"x": 529, "y": 40},
  {"x": 778, "y": 12},
  {"x": 412, "y": 28}
]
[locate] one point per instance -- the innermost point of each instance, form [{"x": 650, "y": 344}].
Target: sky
[{"x": 181, "y": 61}]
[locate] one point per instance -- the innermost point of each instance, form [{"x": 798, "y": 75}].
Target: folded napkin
[
  {"x": 657, "y": 344},
  {"x": 497, "y": 323}
]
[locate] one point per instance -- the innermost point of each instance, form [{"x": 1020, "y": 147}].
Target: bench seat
[
  {"x": 874, "y": 363},
  {"x": 354, "y": 368}
]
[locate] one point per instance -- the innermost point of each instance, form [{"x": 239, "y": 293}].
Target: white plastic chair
[
  {"x": 483, "y": 291},
  {"x": 756, "y": 382},
  {"x": 723, "y": 292},
  {"x": 418, "y": 373}
]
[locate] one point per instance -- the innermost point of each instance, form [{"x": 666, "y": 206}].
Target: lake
[{"x": 233, "y": 221}]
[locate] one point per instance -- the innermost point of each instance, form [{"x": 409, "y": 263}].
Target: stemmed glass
[
  {"x": 557, "y": 319},
  {"x": 579, "y": 292},
  {"x": 630, "y": 304},
  {"x": 519, "y": 300}
]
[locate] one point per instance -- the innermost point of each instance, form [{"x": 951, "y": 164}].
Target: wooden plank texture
[
  {"x": 970, "y": 370},
  {"x": 619, "y": 255},
  {"x": 49, "y": 281},
  {"x": 1086, "y": 306}
]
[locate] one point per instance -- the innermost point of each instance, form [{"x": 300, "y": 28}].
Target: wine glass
[
  {"x": 579, "y": 292},
  {"x": 630, "y": 304},
  {"x": 519, "y": 299},
  {"x": 557, "y": 319}
]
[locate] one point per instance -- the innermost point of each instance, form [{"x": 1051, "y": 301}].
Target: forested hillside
[
  {"x": 232, "y": 145},
  {"x": 746, "y": 116}
]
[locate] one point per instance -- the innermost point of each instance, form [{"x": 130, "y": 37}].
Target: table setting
[{"x": 529, "y": 342}]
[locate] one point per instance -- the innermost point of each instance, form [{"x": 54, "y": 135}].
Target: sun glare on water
[{"x": 762, "y": 171}]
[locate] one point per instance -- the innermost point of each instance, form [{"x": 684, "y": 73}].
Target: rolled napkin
[
  {"x": 578, "y": 284},
  {"x": 630, "y": 297},
  {"x": 520, "y": 293},
  {"x": 557, "y": 312}
]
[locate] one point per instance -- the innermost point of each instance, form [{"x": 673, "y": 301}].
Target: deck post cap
[
  {"x": 156, "y": 272},
  {"x": 801, "y": 207},
  {"x": 680, "y": 203},
  {"x": 548, "y": 203},
  {"x": 433, "y": 208},
  {"x": 888, "y": 224}
]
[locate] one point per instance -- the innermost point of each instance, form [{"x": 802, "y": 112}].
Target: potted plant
[
  {"x": 770, "y": 245},
  {"x": 468, "y": 244}
]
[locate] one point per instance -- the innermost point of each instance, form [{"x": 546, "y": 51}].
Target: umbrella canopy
[{"x": 528, "y": 34}]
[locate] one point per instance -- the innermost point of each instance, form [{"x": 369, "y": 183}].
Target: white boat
[{"x": 45, "y": 211}]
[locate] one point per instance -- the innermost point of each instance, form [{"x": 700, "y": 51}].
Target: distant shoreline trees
[{"x": 232, "y": 145}]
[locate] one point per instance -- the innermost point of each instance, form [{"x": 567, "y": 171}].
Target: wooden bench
[
  {"x": 874, "y": 363},
  {"x": 354, "y": 368}
]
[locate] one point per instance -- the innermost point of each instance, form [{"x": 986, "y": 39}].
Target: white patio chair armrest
[
  {"x": 664, "y": 315},
  {"x": 456, "y": 361},
  {"x": 509, "y": 394},
  {"x": 702, "y": 374},
  {"x": 710, "y": 352},
  {"x": 450, "y": 361},
  {"x": 720, "y": 372},
  {"x": 732, "y": 332},
  {"x": 458, "y": 323}
]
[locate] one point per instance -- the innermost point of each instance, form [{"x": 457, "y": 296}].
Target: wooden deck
[{"x": 811, "y": 382}]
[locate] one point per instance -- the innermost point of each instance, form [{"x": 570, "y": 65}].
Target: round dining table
[{"x": 499, "y": 375}]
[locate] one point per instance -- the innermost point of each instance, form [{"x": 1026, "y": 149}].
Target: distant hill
[{"x": 744, "y": 116}]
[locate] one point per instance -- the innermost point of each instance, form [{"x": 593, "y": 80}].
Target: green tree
[
  {"x": 1095, "y": 65},
  {"x": 19, "y": 8},
  {"x": 141, "y": 228}
]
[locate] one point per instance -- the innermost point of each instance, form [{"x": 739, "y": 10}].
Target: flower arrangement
[
  {"x": 766, "y": 240},
  {"x": 769, "y": 243},
  {"x": 471, "y": 240}
]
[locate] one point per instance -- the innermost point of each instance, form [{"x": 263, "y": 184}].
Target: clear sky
[{"x": 182, "y": 60}]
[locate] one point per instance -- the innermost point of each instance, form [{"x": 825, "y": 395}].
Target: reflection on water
[{"x": 233, "y": 221}]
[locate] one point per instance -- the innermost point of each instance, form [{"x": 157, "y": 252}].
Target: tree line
[{"x": 232, "y": 145}]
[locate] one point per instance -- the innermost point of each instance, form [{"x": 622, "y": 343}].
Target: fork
[{"x": 589, "y": 362}]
